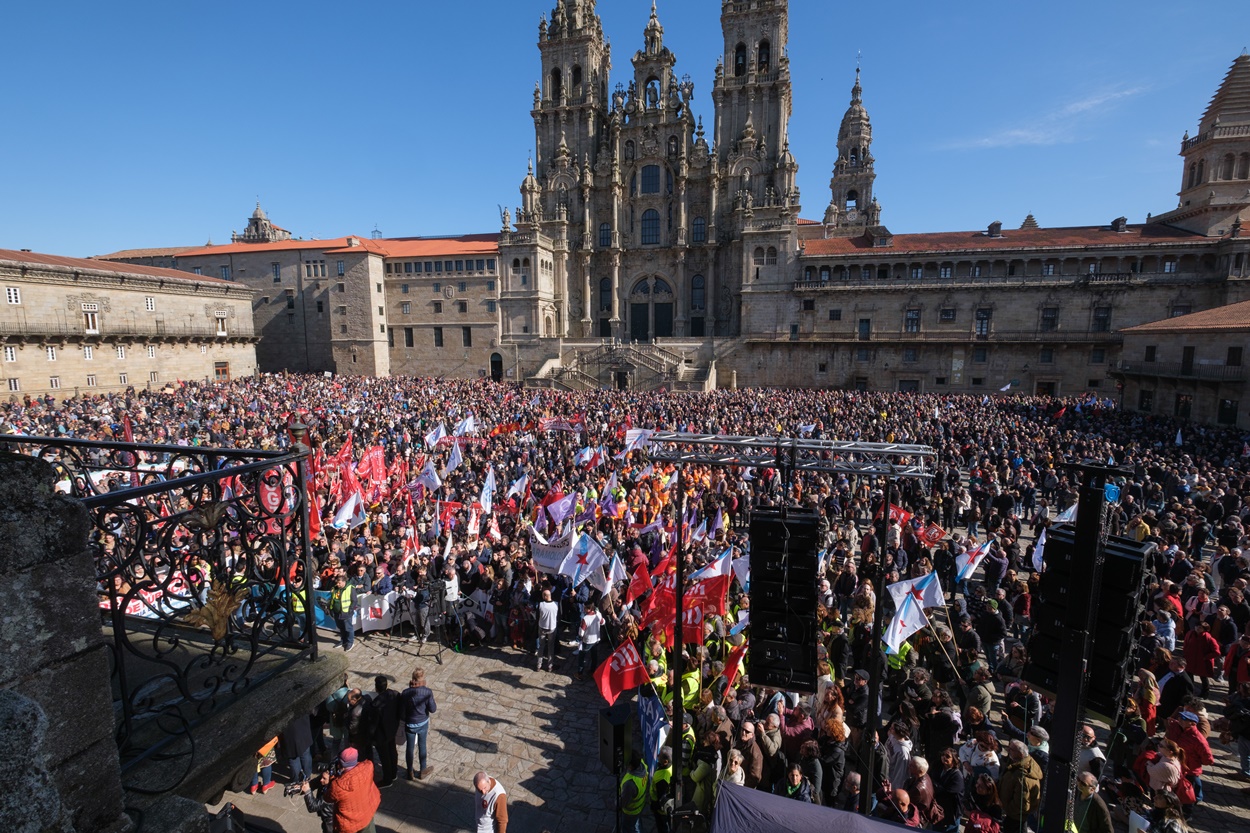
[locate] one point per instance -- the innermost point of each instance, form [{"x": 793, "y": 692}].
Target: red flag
[
  {"x": 931, "y": 535},
  {"x": 666, "y": 563},
  {"x": 733, "y": 663},
  {"x": 621, "y": 671},
  {"x": 640, "y": 584},
  {"x": 897, "y": 514},
  {"x": 1061, "y": 412},
  {"x": 314, "y": 516},
  {"x": 129, "y": 433},
  {"x": 710, "y": 594},
  {"x": 692, "y": 625}
]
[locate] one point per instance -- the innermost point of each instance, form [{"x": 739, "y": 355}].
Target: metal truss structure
[{"x": 792, "y": 454}]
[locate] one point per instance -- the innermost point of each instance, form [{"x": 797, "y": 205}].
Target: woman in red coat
[{"x": 1201, "y": 653}]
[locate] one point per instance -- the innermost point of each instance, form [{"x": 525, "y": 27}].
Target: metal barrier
[{"x": 201, "y": 558}]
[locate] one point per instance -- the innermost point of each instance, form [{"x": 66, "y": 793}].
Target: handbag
[{"x": 1184, "y": 790}]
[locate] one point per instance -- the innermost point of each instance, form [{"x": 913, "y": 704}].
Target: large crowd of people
[{"x": 964, "y": 740}]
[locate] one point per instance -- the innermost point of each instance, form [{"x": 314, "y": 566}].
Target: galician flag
[
  {"x": 908, "y": 619},
  {"x": 488, "y": 491},
  {"x": 465, "y": 426},
  {"x": 429, "y": 477},
  {"x": 351, "y": 514},
  {"x": 926, "y": 590},
  {"x": 454, "y": 460},
  {"x": 432, "y": 438},
  {"x": 1067, "y": 516},
  {"x": 966, "y": 563},
  {"x": 518, "y": 486},
  {"x": 616, "y": 570},
  {"x": 1039, "y": 551},
  {"x": 584, "y": 556}
]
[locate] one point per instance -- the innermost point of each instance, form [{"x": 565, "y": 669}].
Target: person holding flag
[{"x": 589, "y": 631}]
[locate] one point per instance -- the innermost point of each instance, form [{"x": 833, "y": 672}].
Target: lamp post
[{"x": 303, "y": 452}]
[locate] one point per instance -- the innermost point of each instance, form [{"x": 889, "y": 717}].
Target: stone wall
[{"x": 52, "y": 652}]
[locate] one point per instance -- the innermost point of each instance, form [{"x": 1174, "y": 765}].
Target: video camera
[{"x": 297, "y": 787}]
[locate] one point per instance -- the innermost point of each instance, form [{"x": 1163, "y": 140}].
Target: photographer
[{"x": 345, "y": 795}]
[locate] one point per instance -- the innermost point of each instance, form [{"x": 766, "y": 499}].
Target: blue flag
[{"x": 654, "y": 727}]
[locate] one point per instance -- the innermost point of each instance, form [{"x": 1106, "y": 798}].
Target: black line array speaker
[
  {"x": 784, "y": 565},
  {"x": 1115, "y": 631},
  {"x": 615, "y": 735}
]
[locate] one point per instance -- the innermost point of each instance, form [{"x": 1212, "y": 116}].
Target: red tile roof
[
  {"x": 166, "y": 251},
  {"x": 469, "y": 244},
  {"x": 1230, "y": 317},
  {"x": 387, "y": 247},
  {"x": 37, "y": 259},
  {"x": 277, "y": 246},
  {"x": 1046, "y": 238}
]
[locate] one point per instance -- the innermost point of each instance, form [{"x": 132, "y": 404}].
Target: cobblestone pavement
[{"x": 537, "y": 732}]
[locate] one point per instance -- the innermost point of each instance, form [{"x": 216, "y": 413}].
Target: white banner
[
  {"x": 549, "y": 556},
  {"x": 375, "y": 612}
]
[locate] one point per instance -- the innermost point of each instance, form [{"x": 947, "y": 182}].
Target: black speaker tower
[{"x": 784, "y": 566}]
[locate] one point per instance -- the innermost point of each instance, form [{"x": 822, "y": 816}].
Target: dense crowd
[{"x": 967, "y": 739}]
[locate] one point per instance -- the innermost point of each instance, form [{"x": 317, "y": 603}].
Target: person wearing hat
[
  {"x": 1184, "y": 732},
  {"x": 351, "y": 792}
]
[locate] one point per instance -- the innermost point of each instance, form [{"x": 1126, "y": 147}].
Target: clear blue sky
[{"x": 141, "y": 124}]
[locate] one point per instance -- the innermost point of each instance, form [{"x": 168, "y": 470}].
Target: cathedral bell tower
[
  {"x": 571, "y": 99},
  {"x": 853, "y": 208}
]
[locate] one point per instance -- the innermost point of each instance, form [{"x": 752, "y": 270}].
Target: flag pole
[
  {"x": 679, "y": 660},
  {"x": 871, "y": 734}
]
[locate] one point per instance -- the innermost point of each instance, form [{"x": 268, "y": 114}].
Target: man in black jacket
[
  {"x": 1174, "y": 687},
  {"x": 386, "y": 726}
]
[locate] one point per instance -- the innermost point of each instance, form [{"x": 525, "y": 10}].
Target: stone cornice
[{"x": 64, "y": 276}]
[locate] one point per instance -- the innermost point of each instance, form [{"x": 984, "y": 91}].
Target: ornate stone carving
[{"x": 74, "y": 302}]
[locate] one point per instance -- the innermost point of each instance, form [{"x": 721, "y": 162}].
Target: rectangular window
[
  {"x": 794, "y": 332},
  {"x": 911, "y": 354},
  {"x": 51, "y": 352},
  {"x": 340, "y": 268},
  {"x": 1050, "y": 319},
  {"x": 976, "y": 271},
  {"x": 946, "y": 314},
  {"x": 809, "y": 304},
  {"x": 343, "y": 309},
  {"x": 437, "y": 287},
  {"x": 276, "y": 269},
  {"x": 10, "y": 353},
  {"x": 221, "y": 325},
  {"x": 945, "y": 272},
  {"x": 1093, "y": 268},
  {"x": 403, "y": 289},
  {"x": 290, "y": 300},
  {"x": 466, "y": 336},
  {"x": 917, "y": 272},
  {"x": 490, "y": 264},
  {"x": 835, "y": 315},
  {"x": 151, "y": 351},
  {"x": 123, "y": 379},
  {"x": 381, "y": 311},
  {"x": 462, "y": 287},
  {"x": 984, "y": 316},
  {"x": 939, "y": 380},
  {"x": 1180, "y": 309},
  {"x": 407, "y": 336},
  {"x": 408, "y": 268},
  {"x": 481, "y": 265},
  {"x": 390, "y": 337},
  {"x": 438, "y": 308},
  {"x": 980, "y": 355},
  {"x": 490, "y": 306},
  {"x": 149, "y": 304},
  {"x": 978, "y": 381},
  {"x": 865, "y": 273},
  {"x": 822, "y": 367},
  {"x": 13, "y": 294},
  {"x": 121, "y": 351},
  {"x": 459, "y": 265},
  {"x": 14, "y": 384},
  {"x": 1094, "y": 383},
  {"x": 447, "y": 264},
  {"x": 153, "y": 375},
  {"x": 405, "y": 308},
  {"x": 341, "y": 287},
  {"x": 1169, "y": 266},
  {"x": 1146, "y": 400},
  {"x": 1048, "y": 269},
  {"x": 225, "y": 273},
  {"x": 490, "y": 286},
  {"x": 91, "y": 380},
  {"x": 438, "y": 336},
  {"x": 321, "y": 307},
  {"x": 438, "y": 266},
  {"x": 1233, "y": 359},
  {"x": 865, "y": 329},
  {"x": 55, "y": 383},
  {"x": 90, "y": 320},
  {"x": 911, "y": 321},
  {"x": 221, "y": 371},
  {"x": 1046, "y": 356},
  {"x": 203, "y": 349},
  {"x": 343, "y": 329},
  {"x": 1097, "y": 356},
  {"x": 196, "y": 270},
  {"x": 1151, "y": 352},
  {"x": 1102, "y": 320},
  {"x": 863, "y": 354}
]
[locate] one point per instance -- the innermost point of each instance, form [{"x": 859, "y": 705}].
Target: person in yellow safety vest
[
  {"x": 653, "y": 650},
  {"x": 633, "y": 794},
  {"x": 661, "y": 789},
  {"x": 899, "y": 661},
  {"x": 343, "y": 602},
  {"x": 688, "y": 742},
  {"x": 659, "y": 681},
  {"x": 299, "y": 603},
  {"x": 690, "y": 685}
]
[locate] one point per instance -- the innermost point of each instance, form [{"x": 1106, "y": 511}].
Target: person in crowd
[
  {"x": 416, "y": 705},
  {"x": 490, "y": 805}
]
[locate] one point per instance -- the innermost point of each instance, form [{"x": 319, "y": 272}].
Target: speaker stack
[{"x": 784, "y": 565}]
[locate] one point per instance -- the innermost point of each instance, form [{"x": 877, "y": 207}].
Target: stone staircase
[{"x": 598, "y": 364}]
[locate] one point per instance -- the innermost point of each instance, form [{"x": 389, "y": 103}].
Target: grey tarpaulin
[{"x": 743, "y": 810}]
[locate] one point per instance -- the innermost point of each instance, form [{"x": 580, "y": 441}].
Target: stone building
[
  {"x": 1192, "y": 366},
  {"x": 68, "y": 325}
]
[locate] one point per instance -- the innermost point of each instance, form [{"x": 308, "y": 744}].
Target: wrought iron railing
[{"x": 201, "y": 559}]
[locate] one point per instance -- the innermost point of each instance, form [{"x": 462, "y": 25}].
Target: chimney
[
  {"x": 996, "y": 229},
  {"x": 1235, "y": 231},
  {"x": 352, "y": 241},
  {"x": 1119, "y": 225}
]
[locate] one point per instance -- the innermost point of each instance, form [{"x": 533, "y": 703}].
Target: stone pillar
[
  {"x": 616, "y": 295},
  {"x": 587, "y": 298},
  {"x": 54, "y": 662}
]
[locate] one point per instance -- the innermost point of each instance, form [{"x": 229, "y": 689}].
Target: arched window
[
  {"x": 1243, "y": 166},
  {"x": 1226, "y": 167},
  {"x": 699, "y": 230},
  {"x": 765, "y": 56},
  {"x": 758, "y": 256},
  {"x": 740, "y": 60},
  {"x": 557, "y": 85},
  {"x": 1193, "y": 175},
  {"x": 605, "y": 294},
  {"x": 1202, "y": 171},
  {"x": 852, "y": 199},
  {"x": 605, "y": 235},
  {"x": 516, "y": 264},
  {"x": 770, "y": 259},
  {"x": 650, "y": 179},
  {"x": 526, "y": 263},
  {"x": 824, "y": 274},
  {"x": 698, "y": 293},
  {"x": 807, "y": 273},
  {"x": 651, "y": 227},
  {"x": 576, "y": 79}
]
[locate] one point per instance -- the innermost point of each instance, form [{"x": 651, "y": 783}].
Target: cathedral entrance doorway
[
  {"x": 651, "y": 310},
  {"x": 496, "y": 367}
]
